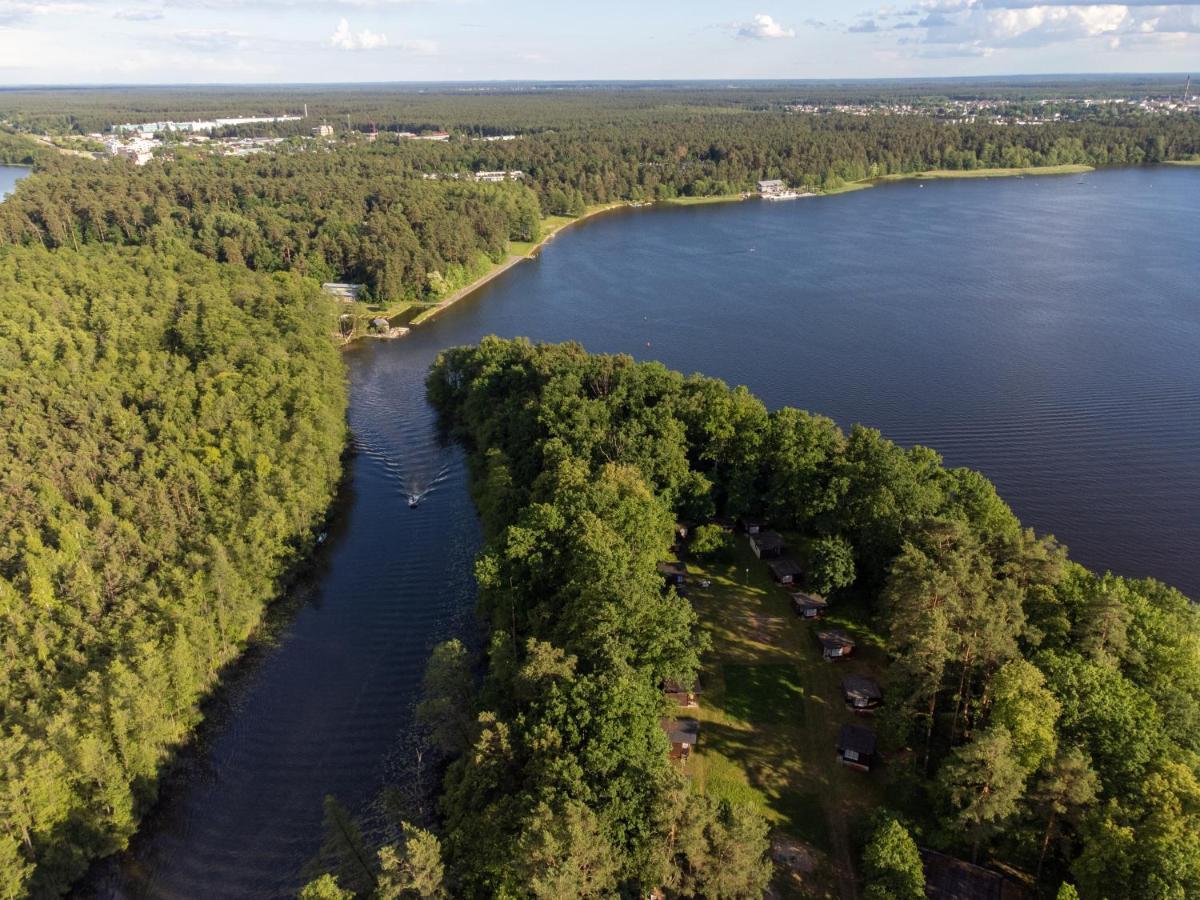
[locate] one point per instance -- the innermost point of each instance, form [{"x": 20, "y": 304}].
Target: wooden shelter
[
  {"x": 683, "y": 733},
  {"x": 856, "y": 747},
  {"x": 785, "y": 571},
  {"x": 809, "y": 606},
  {"x": 673, "y": 572},
  {"x": 863, "y": 695},
  {"x": 835, "y": 644},
  {"x": 681, "y": 695},
  {"x": 947, "y": 878},
  {"x": 767, "y": 544}
]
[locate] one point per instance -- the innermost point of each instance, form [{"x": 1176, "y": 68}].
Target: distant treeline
[
  {"x": 370, "y": 212},
  {"x": 1037, "y": 714},
  {"x": 170, "y": 433},
  {"x": 499, "y": 107}
]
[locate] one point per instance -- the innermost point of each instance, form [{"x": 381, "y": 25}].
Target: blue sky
[{"x": 181, "y": 41}]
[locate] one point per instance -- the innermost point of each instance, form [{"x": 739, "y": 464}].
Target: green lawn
[
  {"x": 771, "y": 709},
  {"x": 701, "y": 201},
  {"x": 933, "y": 174}
]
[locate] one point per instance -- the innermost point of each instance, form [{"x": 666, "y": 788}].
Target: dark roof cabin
[
  {"x": 683, "y": 734},
  {"x": 682, "y": 696},
  {"x": 785, "y": 571},
  {"x": 672, "y": 572},
  {"x": 767, "y": 545},
  {"x": 862, "y": 694},
  {"x": 835, "y": 644},
  {"x": 856, "y": 747},
  {"x": 809, "y": 606},
  {"x": 947, "y": 878}
]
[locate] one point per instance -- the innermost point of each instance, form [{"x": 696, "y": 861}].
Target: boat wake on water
[{"x": 416, "y": 493}]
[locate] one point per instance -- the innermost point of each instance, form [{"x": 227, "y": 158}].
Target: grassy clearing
[
  {"x": 848, "y": 187},
  {"x": 703, "y": 201},
  {"x": 771, "y": 709},
  {"x": 934, "y": 174},
  {"x": 1182, "y": 162}
]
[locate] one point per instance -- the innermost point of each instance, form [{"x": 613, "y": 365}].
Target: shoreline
[{"x": 532, "y": 250}]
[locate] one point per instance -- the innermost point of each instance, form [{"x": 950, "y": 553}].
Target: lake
[
  {"x": 1043, "y": 330},
  {"x": 9, "y": 176}
]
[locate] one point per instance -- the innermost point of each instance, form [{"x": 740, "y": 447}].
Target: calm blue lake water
[
  {"x": 9, "y": 176},
  {"x": 1043, "y": 330}
]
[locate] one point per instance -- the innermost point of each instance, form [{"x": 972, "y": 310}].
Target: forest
[
  {"x": 173, "y": 412},
  {"x": 494, "y": 108},
  {"x": 1038, "y": 715},
  {"x": 172, "y": 432}
]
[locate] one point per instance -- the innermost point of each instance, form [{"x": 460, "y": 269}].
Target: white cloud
[
  {"x": 346, "y": 39},
  {"x": 212, "y": 40},
  {"x": 980, "y": 27},
  {"x": 763, "y": 27}
]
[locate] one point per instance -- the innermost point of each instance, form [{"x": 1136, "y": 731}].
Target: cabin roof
[
  {"x": 812, "y": 601},
  {"x": 835, "y": 638},
  {"x": 781, "y": 568},
  {"x": 768, "y": 540},
  {"x": 855, "y": 737},
  {"x": 676, "y": 687},
  {"x": 684, "y": 730},
  {"x": 947, "y": 878},
  {"x": 861, "y": 686}
]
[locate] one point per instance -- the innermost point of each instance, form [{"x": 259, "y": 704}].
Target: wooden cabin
[
  {"x": 947, "y": 878},
  {"x": 835, "y": 644},
  {"x": 767, "y": 545},
  {"x": 856, "y": 747},
  {"x": 809, "y": 606},
  {"x": 785, "y": 571},
  {"x": 673, "y": 572},
  {"x": 683, "y": 734},
  {"x": 681, "y": 695},
  {"x": 863, "y": 695}
]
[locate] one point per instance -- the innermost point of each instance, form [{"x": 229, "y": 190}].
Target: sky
[{"x": 279, "y": 41}]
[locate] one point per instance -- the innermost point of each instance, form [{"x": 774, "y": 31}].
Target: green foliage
[
  {"x": 413, "y": 870},
  {"x": 1022, "y": 704},
  {"x": 447, "y": 697},
  {"x": 344, "y": 853},
  {"x": 830, "y": 564},
  {"x": 711, "y": 541},
  {"x": 355, "y": 214},
  {"x": 324, "y": 888},
  {"x": 981, "y": 783},
  {"x": 172, "y": 432},
  {"x": 892, "y": 867}
]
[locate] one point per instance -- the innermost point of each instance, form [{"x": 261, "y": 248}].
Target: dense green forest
[
  {"x": 492, "y": 108},
  {"x": 351, "y": 214},
  {"x": 171, "y": 438},
  {"x": 173, "y": 415},
  {"x": 1037, "y": 714}
]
